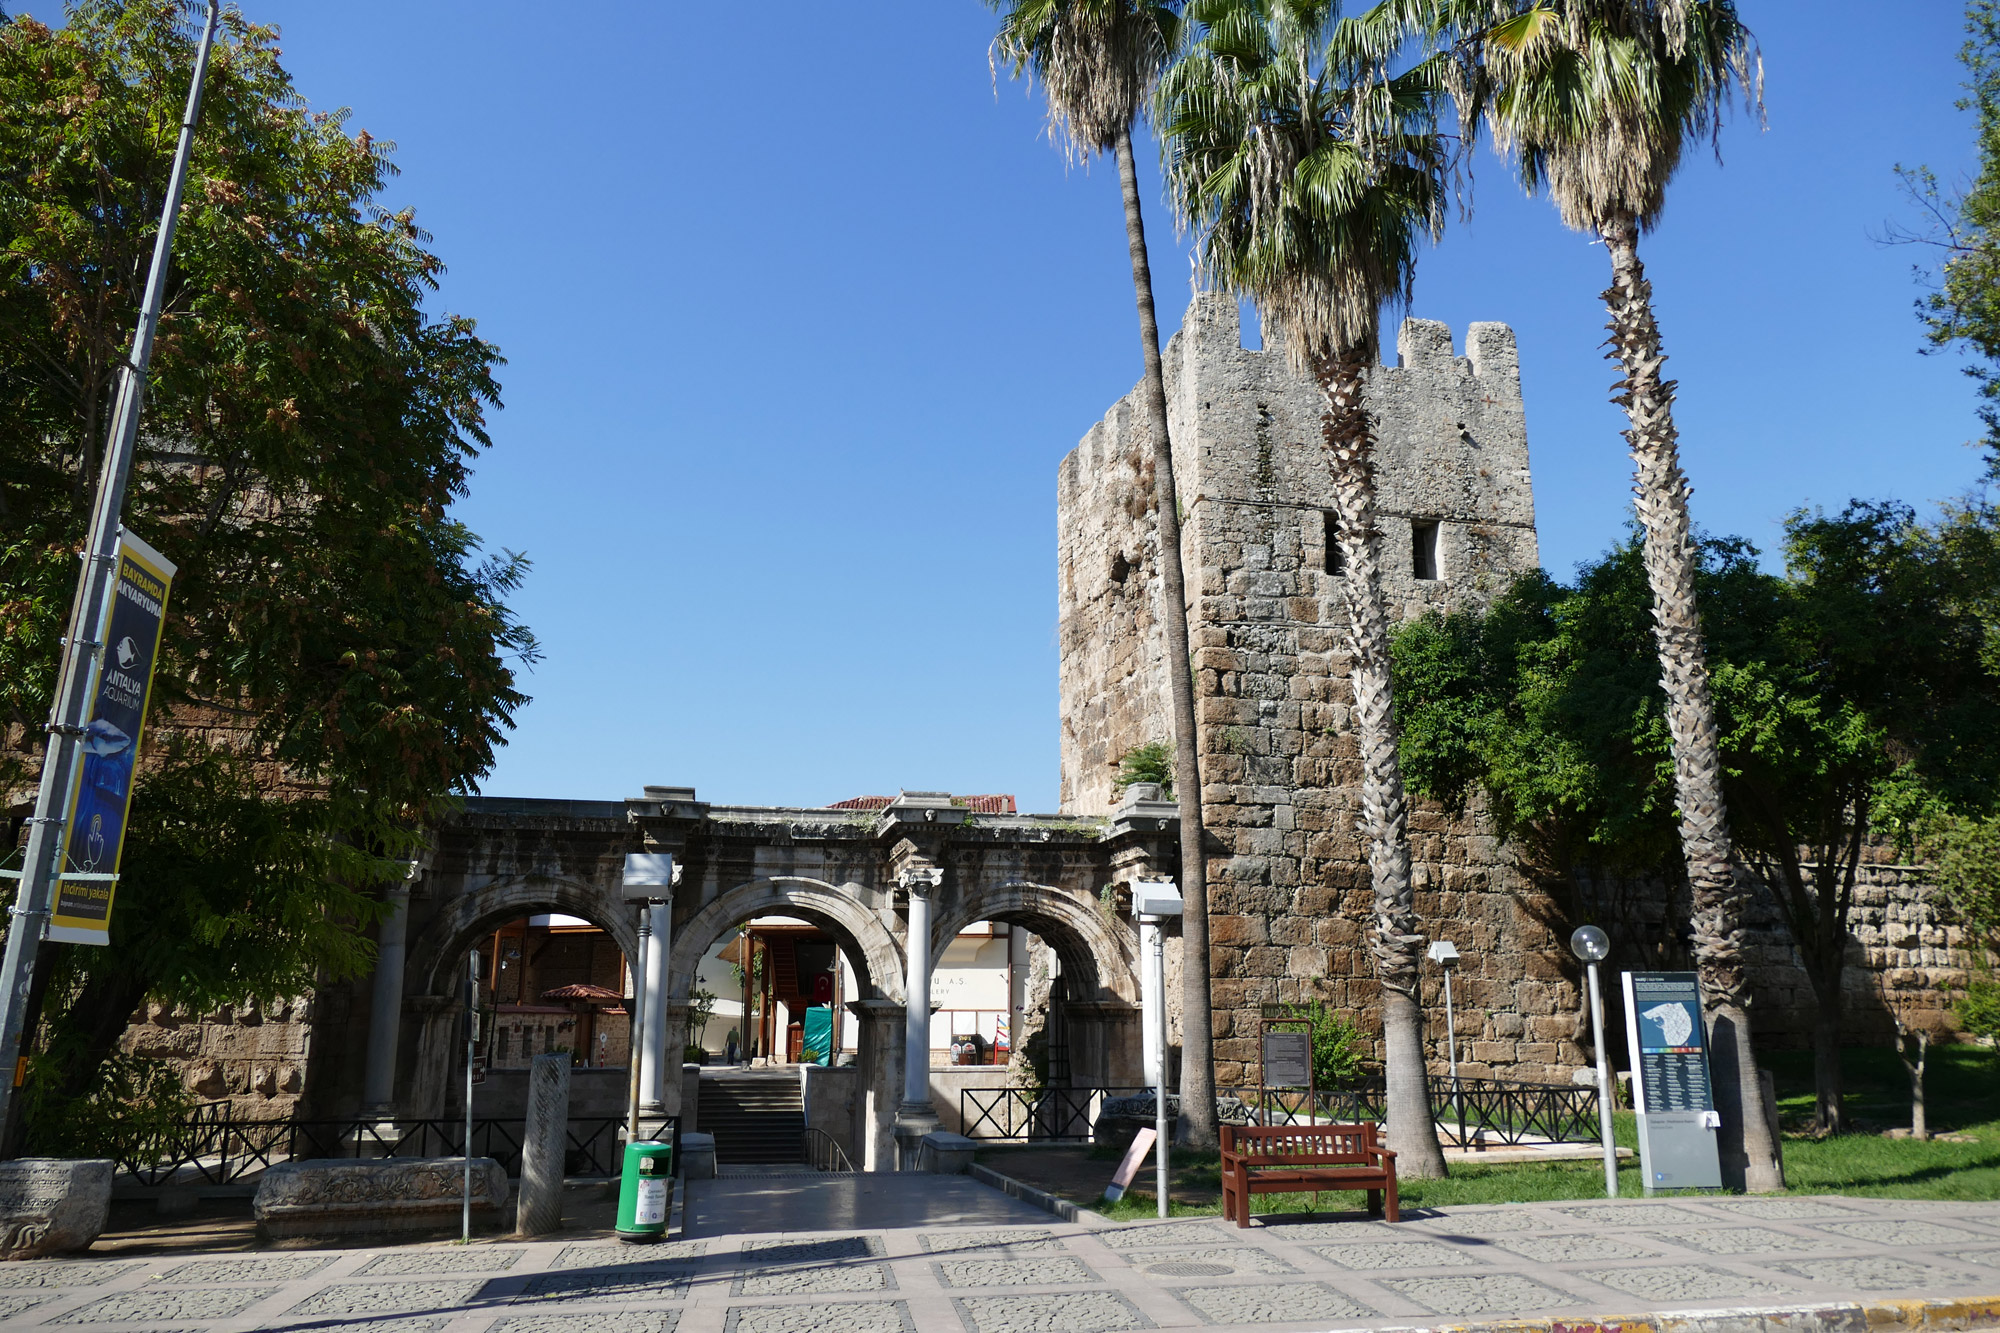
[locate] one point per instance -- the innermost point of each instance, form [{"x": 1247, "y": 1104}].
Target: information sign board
[
  {"x": 1287, "y": 1059},
  {"x": 94, "y": 829},
  {"x": 1668, "y": 1046}
]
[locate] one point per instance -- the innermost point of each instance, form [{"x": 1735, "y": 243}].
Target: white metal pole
[
  {"x": 1451, "y": 1032},
  {"x": 40, "y": 866},
  {"x": 1156, "y": 997},
  {"x": 1603, "y": 1087},
  {"x": 638, "y": 1024},
  {"x": 471, "y": 1047}
]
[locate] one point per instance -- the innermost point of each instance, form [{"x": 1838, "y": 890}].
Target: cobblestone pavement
[{"x": 1569, "y": 1260}]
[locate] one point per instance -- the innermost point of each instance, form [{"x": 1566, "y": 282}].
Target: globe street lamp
[{"x": 1593, "y": 946}]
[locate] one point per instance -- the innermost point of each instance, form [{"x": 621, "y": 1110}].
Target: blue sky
[{"x": 800, "y": 318}]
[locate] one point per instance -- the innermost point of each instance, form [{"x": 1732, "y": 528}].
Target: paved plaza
[{"x": 1576, "y": 1261}]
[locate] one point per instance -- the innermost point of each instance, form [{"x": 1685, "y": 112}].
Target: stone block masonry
[{"x": 1288, "y": 874}]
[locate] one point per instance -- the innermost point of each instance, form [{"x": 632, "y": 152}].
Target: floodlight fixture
[
  {"x": 1444, "y": 953},
  {"x": 1590, "y": 944},
  {"x": 649, "y": 876},
  {"x": 1156, "y": 897}
]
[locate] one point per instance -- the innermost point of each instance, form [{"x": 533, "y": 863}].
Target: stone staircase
[{"x": 755, "y": 1115}]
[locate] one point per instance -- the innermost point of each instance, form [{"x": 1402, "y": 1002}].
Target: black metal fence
[
  {"x": 1037, "y": 1115},
  {"x": 1469, "y": 1113},
  {"x": 221, "y": 1149}
]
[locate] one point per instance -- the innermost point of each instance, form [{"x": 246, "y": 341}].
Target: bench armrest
[{"x": 1386, "y": 1154}]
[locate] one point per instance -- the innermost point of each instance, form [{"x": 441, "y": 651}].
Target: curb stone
[
  {"x": 1042, "y": 1199},
  {"x": 1834, "y": 1317}
]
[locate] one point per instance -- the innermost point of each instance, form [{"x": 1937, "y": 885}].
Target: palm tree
[
  {"x": 1312, "y": 176},
  {"x": 1098, "y": 61},
  {"x": 1596, "y": 101}
]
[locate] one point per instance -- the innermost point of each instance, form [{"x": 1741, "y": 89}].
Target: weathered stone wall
[
  {"x": 1288, "y": 875},
  {"x": 251, "y": 1055}
]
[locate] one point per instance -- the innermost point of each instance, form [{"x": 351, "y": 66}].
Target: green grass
[{"x": 1963, "y": 1087}]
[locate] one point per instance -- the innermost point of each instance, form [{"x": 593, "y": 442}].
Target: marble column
[
  {"x": 659, "y": 1059},
  {"x": 916, "y": 1117},
  {"x": 385, "y": 1014}
]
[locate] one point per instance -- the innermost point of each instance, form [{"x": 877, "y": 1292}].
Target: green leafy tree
[
  {"x": 1098, "y": 61},
  {"x": 1336, "y": 1045},
  {"x": 339, "y": 659},
  {"x": 1151, "y": 762},
  {"x": 1851, "y": 696},
  {"x": 1597, "y": 102},
  {"x": 1313, "y": 170},
  {"x": 1962, "y": 308}
]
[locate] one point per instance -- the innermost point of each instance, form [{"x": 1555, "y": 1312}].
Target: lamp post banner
[{"x": 100, "y": 799}]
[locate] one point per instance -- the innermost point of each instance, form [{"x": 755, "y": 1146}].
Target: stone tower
[{"x": 1288, "y": 869}]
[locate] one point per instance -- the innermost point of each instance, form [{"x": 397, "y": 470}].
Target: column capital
[
  {"x": 876, "y": 1011},
  {"x": 920, "y": 881}
]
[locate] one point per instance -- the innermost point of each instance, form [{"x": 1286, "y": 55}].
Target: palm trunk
[
  {"x": 1749, "y": 1157},
  {"x": 1197, "y": 1022},
  {"x": 1395, "y": 939}
]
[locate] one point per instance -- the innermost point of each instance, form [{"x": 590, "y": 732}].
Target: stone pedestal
[
  {"x": 697, "y": 1156},
  {"x": 545, "y": 1146},
  {"x": 914, "y": 1123},
  {"x": 945, "y": 1154},
  {"x": 314, "y": 1203},
  {"x": 879, "y": 1082},
  {"x": 51, "y": 1206}
]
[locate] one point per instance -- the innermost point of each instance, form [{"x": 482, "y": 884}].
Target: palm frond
[
  {"x": 1097, "y": 61},
  {"x": 1597, "y": 100},
  {"x": 1310, "y": 167}
]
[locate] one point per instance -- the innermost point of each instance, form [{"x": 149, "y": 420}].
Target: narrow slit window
[
  {"x": 1334, "y": 564},
  {"x": 1424, "y": 550}
]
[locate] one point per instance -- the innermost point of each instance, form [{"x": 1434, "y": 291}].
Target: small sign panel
[
  {"x": 1142, "y": 1143},
  {"x": 1287, "y": 1060},
  {"x": 94, "y": 832}
]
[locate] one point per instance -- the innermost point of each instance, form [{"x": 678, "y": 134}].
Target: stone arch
[
  {"x": 445, "y": 939},
  {"x": 1096, "y": 949},
  {"x": 874, "y": 953}
]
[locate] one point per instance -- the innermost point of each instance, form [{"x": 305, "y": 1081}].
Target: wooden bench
[{"x": 1291, "y": 1159}]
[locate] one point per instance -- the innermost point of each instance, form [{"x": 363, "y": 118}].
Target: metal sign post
[
  {"x": 471, "y": 1056},
  {"x": 1284, "y": 1062},
  {"x": 68, "y": 719}
]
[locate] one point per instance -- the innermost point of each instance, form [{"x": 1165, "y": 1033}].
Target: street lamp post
[
  {"x": 1445, "y": 954},
  {"x": 1593, "y": 946},
  {"x": 649, "y": 878},
  {"x": 1153, "y": 901}
]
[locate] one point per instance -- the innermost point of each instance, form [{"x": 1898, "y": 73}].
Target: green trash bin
[{"x": 645, "y": 1190}]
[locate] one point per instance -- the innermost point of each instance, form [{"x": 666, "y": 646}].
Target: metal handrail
[{"x": 824, "y": 1153}]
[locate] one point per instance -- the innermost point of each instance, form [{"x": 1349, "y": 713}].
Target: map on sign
[
  {"x": 1667, "y": 1025},
  {"x": 1663, "y": 1024}
]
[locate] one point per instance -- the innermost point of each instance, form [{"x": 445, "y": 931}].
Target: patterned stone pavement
[{"x": 1567, "y": 1260}]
